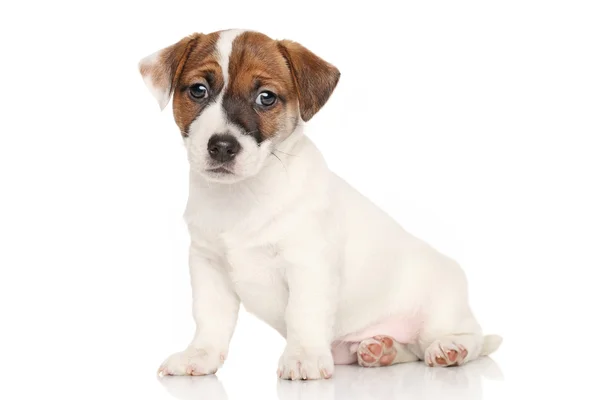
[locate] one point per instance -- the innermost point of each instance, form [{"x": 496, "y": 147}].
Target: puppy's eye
[
  {"x": 266, "y": 98},
  {"x": 198, "y": 91}
]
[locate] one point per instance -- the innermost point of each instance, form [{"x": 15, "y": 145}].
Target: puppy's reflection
[
  {"x": 194, "y": 387},
  {"x": 411, "y": 381}
]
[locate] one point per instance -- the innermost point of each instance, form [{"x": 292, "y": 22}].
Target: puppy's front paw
[
  {"x": 303, "y": 363},
  {"x": 192, "y": 362}
]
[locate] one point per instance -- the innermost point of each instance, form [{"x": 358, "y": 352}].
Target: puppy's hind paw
[
  {"x": 445, "y": 353},
  {"x": 377, "y": 351}
]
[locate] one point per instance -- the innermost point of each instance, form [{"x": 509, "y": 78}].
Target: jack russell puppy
[{"x": 272, "y": 227}]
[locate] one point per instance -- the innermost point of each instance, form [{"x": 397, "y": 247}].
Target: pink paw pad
[
  {"x": 439, "y": 355},
  {"x": 377, "y": 351},
  {"x": 194, "y": 370}
]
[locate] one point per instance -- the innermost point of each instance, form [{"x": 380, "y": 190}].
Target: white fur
[
  {"x": 223, "y": 48},
  {"x": 213, "y": 120},
  {"x": 310, "y": 256}
]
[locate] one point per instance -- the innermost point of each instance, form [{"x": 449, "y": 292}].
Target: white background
[{"x": 475, "y": 124}]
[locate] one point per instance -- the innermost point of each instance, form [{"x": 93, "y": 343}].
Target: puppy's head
[{"x": 236, "y": 94}]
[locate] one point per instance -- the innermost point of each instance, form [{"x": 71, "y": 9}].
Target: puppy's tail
[{"x": 490, "y": 344}]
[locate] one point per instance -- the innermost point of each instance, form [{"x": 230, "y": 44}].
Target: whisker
[
  {"x": 287, "y": 154},
  {"x": 277, "y": 157}
]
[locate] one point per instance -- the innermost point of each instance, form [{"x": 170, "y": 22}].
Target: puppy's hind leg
[{"x": 450, "y": 334}]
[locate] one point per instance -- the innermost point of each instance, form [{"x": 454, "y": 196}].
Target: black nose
[{"x": 223, "y": 147}]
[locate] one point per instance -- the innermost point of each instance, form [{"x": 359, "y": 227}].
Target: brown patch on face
[
  {"x": 256, "y": 65},
  {"x": 200, "y": 67},
  {"x": 177, "y": 67}
]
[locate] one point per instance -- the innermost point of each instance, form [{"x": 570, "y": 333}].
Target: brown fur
[
  {"x": 315, "y": 78},
  {"x": 201, "y": 66},
  {"x": 165, "y": 70},
  {"x": 256, "y": 65},
  {"x": 300, "y": 79}
]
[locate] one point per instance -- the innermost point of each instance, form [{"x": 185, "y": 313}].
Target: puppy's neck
[{"x": 218, "y": 207}]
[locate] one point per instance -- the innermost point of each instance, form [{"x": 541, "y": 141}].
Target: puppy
[{"x": 272, "y": 227}]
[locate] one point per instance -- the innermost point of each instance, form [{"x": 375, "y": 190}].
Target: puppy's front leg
[
  {"x": 215, "y": 309},
  {"x": 310, "y": 316}
]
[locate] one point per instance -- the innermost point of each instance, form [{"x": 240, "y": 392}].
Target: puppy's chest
[{"x": 258, "y": 277}]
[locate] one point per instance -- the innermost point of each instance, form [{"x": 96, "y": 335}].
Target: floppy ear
[
  {"x": 161, "y": 69},
  {"x": 315, "y": 79}
]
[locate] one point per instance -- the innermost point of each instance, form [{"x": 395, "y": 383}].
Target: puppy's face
[{"x": 236, "y": 95}]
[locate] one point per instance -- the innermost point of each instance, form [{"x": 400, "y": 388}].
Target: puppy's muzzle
[{"x": 223, "y": 147}]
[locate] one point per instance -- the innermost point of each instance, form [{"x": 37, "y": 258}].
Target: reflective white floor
[{"x": 407, "y": 381}]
